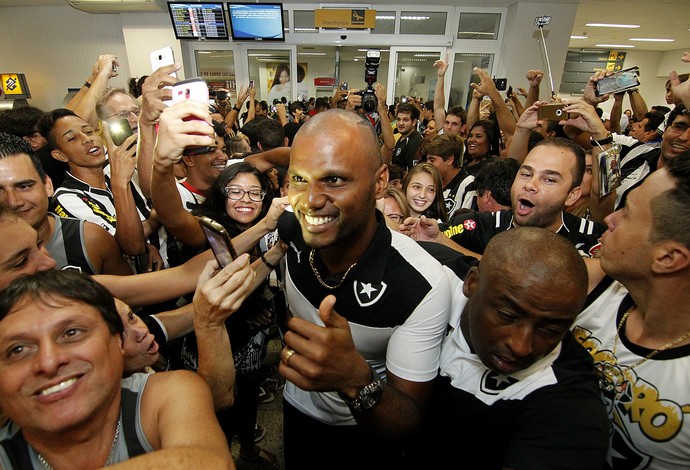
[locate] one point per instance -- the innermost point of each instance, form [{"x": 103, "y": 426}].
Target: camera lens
[
  {"x": 559, "y": 112},
  {"x": 369, "y": 102}
]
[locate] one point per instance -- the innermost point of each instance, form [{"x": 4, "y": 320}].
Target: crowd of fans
[{"x": 447, "y": 284}]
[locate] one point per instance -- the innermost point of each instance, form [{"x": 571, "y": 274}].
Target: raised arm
[
  {"x": 130, "y": 230},
  {"x": 153, "y": 97},
  {"x": 529, "y": 120},
  {"x": 232, "y": 115},
  {"x": 86, "y": 107},
  {"x": 504, "y": 116},
  {"x": 386, "y": 130},
  {"x": 473, "y": 108},
  {"x": 174, "y": 135},
  {"x": 441, "y": 67},
  {"x": 219, "y": 294},
  {"x": 616, "y": 113},
  {"x": 534, "y": 77}
]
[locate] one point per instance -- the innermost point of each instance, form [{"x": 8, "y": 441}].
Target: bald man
[
  {"x": 369, "y": 306},
  {"x": 516, "y": 390}
]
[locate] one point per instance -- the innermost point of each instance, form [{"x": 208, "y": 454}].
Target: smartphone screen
[
  {"x": 620, "y": 81},
  {"x": 251, "y": 84},
  {"x": 220, "y": 242},
  {"x": 119, "y": 130}
]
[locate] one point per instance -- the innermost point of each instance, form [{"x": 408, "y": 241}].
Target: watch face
[{"x": 372, "y": 396}]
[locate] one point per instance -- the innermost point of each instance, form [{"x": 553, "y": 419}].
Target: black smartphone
[
  {"x": 220, "y": 241},
  {"x": 619, "y": 81},
  {"x": 343, "y": 86},
  {"x": 501, "y": 83},
  {"x": 251, "y": 84},
  {"x": 119, "y": 130}
]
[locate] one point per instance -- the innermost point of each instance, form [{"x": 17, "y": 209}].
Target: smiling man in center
[{"x": 360, "y": 363}]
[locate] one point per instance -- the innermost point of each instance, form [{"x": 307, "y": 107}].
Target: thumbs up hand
[{"x": 323, "y": 358}]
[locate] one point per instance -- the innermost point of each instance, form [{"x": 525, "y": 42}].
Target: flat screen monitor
[
  {"x": 256, "y": 21},
  {"x": 202, "y": 20}
]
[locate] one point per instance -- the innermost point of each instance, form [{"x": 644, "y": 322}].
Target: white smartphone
[
  {"x": 190, "y": 89},
  {"x": 162, "y": 57}
]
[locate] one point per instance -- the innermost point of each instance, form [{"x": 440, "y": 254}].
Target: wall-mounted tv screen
[
  {"x": 256, "y": 21},
  {"x": 200, "y": 20}
]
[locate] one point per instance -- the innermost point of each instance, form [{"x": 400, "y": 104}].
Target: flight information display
[{"x": 198, "y": 20}]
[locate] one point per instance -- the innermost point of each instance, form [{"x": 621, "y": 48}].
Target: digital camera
[{"x": 371, "y": 70}]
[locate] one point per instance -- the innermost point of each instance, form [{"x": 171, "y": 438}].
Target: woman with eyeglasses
[{"x": 238, "y": 201}]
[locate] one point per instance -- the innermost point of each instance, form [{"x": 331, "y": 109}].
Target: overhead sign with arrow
[{"x": 580, "y": 65}]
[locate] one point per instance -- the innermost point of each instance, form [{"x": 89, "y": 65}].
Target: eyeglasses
[
  {"x": 397, "y": 218},
  {"x": 235, "y": 194},
  {"x": 124, "y": 114}
]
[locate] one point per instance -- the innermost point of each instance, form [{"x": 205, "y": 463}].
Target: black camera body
[{"x": 371, "y": 70}]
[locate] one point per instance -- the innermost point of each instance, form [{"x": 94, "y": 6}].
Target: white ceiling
[{"x": 657, "y": 19}]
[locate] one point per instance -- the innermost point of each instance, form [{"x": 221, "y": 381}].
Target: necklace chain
[
  {"x": 47, "y": 466},
  {"x": 610, "y": 379},
  {"x": 651, "y": 354},
  {"x": 318, "y": 276}
]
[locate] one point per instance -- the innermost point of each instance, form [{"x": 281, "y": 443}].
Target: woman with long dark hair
[
  {"x": 482, "y": 143},
  {"x": 237, "y": 200}
]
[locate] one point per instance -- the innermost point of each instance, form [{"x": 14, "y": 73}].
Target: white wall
[
  {"x": 56, "y": 47},
  {"x": 522, "y": 49}
]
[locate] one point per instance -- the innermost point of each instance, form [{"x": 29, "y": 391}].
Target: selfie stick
[{"x": 542, "y": 21}]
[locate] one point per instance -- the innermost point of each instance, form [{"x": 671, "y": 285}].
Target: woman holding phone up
[{"x": 240, "y": 202}]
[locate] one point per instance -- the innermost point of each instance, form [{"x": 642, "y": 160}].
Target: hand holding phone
[
  {"x": 552, "y": 112},
  {"x": 119, "y": 130},
  {"x": 162, "y": 57},
  {"x": 220, "y": 241},
  {"x": 619, "y": 81},
  {"x": 190, "y": 89}
]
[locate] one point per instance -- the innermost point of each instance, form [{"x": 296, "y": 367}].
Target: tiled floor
[{"x": 270, "y": 416}]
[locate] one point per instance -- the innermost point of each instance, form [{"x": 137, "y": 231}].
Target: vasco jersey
[
  {"x": 634, "y": 171},
  {"x": 191, "y": 197},
  {"x": 460, "y": 193},
  {"x": 650, "y": 411},
  {"x": 405, "y": 152},
  {"x": 77, "y": 199},
  {"x": 547, "y": 416},
  {"x": 396, "y": 299},
  {"x": 67, "y": 246},
  {"x": 473, "y": 230}
]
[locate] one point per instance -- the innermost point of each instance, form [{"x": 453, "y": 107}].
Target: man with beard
[
  {"x": 548, "y": 181},
  {"x": 405, "y": 152}
]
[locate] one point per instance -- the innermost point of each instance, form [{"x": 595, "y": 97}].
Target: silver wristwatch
[{"x": 368, "y": 396}]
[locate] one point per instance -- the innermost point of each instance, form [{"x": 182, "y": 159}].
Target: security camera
[{"x": 343, "y": 37}]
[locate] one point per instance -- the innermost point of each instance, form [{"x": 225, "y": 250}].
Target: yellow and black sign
[
  {"x": 11, "y": 84},
  {"x": 335, "y": 18}
]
